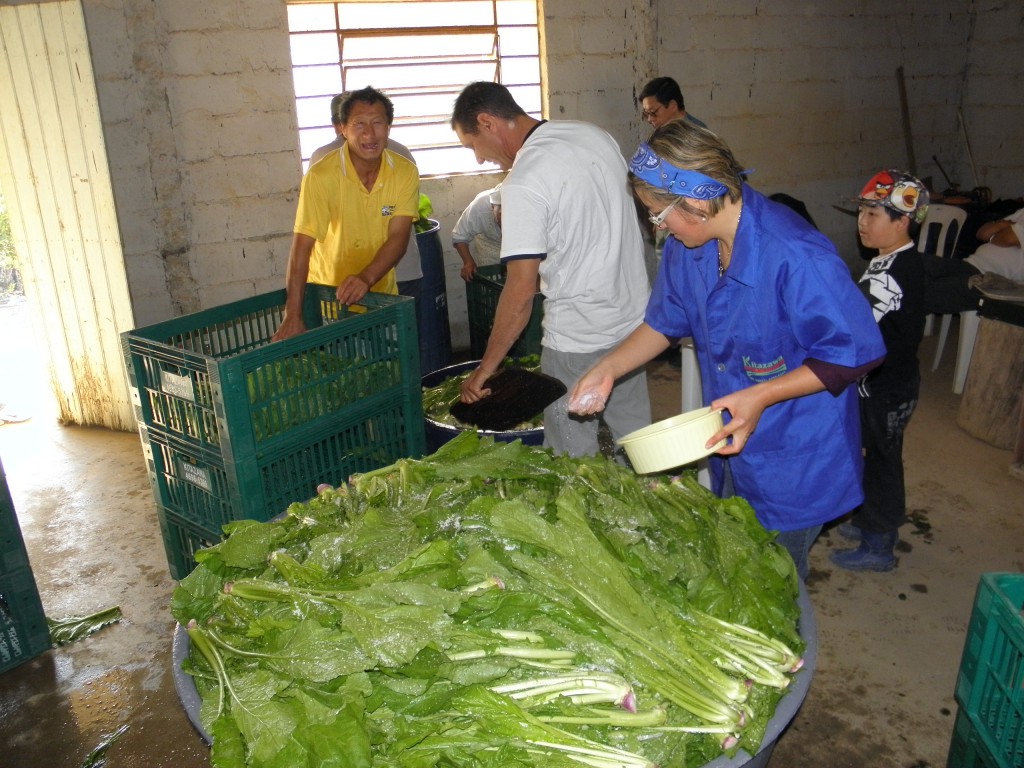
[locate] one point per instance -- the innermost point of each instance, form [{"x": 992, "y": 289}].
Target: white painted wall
[{"x": 199, "y": 114}]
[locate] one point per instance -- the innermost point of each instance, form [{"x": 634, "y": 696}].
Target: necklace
[{"x": 721, "y": 262}]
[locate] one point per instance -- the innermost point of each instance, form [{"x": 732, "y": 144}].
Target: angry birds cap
[{"x": 897, "y": 190}]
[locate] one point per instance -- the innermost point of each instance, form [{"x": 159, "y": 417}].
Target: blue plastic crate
[{"x": 990, "y": 684}]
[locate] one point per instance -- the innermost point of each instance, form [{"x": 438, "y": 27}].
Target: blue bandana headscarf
[{"x": 648, "y": 167}]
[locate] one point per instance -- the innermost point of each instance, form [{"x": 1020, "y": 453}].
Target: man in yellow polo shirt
[{"x": 355, "y": 212}]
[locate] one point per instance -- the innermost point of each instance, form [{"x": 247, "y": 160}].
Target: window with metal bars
[{"x": 421, "y": 53}]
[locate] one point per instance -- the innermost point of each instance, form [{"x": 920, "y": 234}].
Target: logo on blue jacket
[{"x": 764, "y": 371}]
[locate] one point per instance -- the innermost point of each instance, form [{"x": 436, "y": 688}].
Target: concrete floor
[{"x": 889, "y": 644}]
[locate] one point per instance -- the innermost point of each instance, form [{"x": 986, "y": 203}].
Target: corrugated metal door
[{"x": 56, "y": 184}]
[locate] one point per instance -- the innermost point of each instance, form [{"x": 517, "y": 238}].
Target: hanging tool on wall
[
  {"x": 905, "y": 112},
  {"x": 979, "y": 194}
]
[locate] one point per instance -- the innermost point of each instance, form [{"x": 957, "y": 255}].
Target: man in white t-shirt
[
  {"x": 478, "y": 226},
  {"x": 568, "y": 220}
]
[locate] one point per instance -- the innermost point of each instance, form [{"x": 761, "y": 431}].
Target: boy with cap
[{"x": 892, "y": 206}]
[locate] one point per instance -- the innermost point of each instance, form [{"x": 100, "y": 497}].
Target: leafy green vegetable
[
  {"x": 71, "y": 628},
  {"x": 426, "y": 210},
  {"x": 98, "y": 757},
  {"x": 294, "y": 390},
  {"x": 493, "y": 605}
]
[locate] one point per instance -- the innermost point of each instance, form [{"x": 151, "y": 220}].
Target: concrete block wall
[
  {"x": 199, "y": 117},
  {"x": 808, "y": 95},
  {"x": 992, "y": 106},
  {"x": 598, "y": 55},
  {"x": 199, "y": 114}
]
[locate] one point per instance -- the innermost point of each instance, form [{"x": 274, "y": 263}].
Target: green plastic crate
[
  {"x": 482, "y": 294},
  {"x": 967, "y": 749},
  {"x": 12, "y": 546},
  {"x": 214, "y": 379},
  {"x": 200, "y": 485},
  {"x": 235, "y": 426},
  {"x": 182, "y": 539},
  {"x": 990, "y": 683},
  {"x": 24, "y": 633}
]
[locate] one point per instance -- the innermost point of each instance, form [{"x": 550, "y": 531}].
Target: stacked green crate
[
  {"x": 482, "y": 294},
  {"x": 966, "y": 748},
  {"x": 236, "y": 427},
  {"x": 24, "y": 633},
  {"x": 990, "y": 684}
]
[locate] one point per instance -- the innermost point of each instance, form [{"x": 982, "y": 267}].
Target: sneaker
[{"x": 863, "y": 559}]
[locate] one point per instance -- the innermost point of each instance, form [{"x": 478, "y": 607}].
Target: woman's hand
[
  {"x": 591, "y": 392},
  {"x": 745, "y": 408}
]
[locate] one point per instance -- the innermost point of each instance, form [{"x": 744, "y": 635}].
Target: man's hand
[
  {"x": 352, "y": 290},
  {"x": 289, "y": 327},
  {"x": 473, "y": 388},
  {"x": 468, "y": 262}
]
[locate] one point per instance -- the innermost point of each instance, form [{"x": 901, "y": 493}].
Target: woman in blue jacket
[{"x": 780, "y": 329}]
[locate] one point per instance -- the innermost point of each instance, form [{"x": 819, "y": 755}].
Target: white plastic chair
[{"x": 940, "y": 232}]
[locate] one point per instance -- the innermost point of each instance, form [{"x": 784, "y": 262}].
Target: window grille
[{"x": 421, "y": 53}]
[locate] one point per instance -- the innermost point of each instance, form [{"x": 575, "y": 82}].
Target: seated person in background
[
  {"x": 481, "y": 219},
  {"x": 891, "y": 207},
  {"x": 947, "y": 286},
  {"x": 661, "y": 100}
]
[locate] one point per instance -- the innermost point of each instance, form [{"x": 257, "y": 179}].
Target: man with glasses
[
  {"x": 568, "y": 219},
  {"x": 661, "y": 100}
]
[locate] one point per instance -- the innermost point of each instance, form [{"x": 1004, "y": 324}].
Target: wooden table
[{"x": 992, "y": 407}]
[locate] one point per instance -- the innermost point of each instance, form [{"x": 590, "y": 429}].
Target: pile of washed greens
[{"x": 492, "y": 605}]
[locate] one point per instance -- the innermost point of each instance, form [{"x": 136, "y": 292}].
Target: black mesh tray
[{"x": 517, "y": 395}]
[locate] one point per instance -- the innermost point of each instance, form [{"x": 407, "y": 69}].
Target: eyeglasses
[
  {"x": 659, "y": 219},
  {"x": 647, "y": 114}
]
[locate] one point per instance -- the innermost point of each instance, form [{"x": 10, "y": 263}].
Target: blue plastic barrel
[{"x": 432, "y": 309}]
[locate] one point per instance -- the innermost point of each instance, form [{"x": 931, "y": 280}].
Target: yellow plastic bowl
[{"x": 673, "y": 442}]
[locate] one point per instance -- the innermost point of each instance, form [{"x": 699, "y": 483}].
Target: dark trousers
[
  {"x": 946, "y": 291},
  {"x": 883, "y": 417}
]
